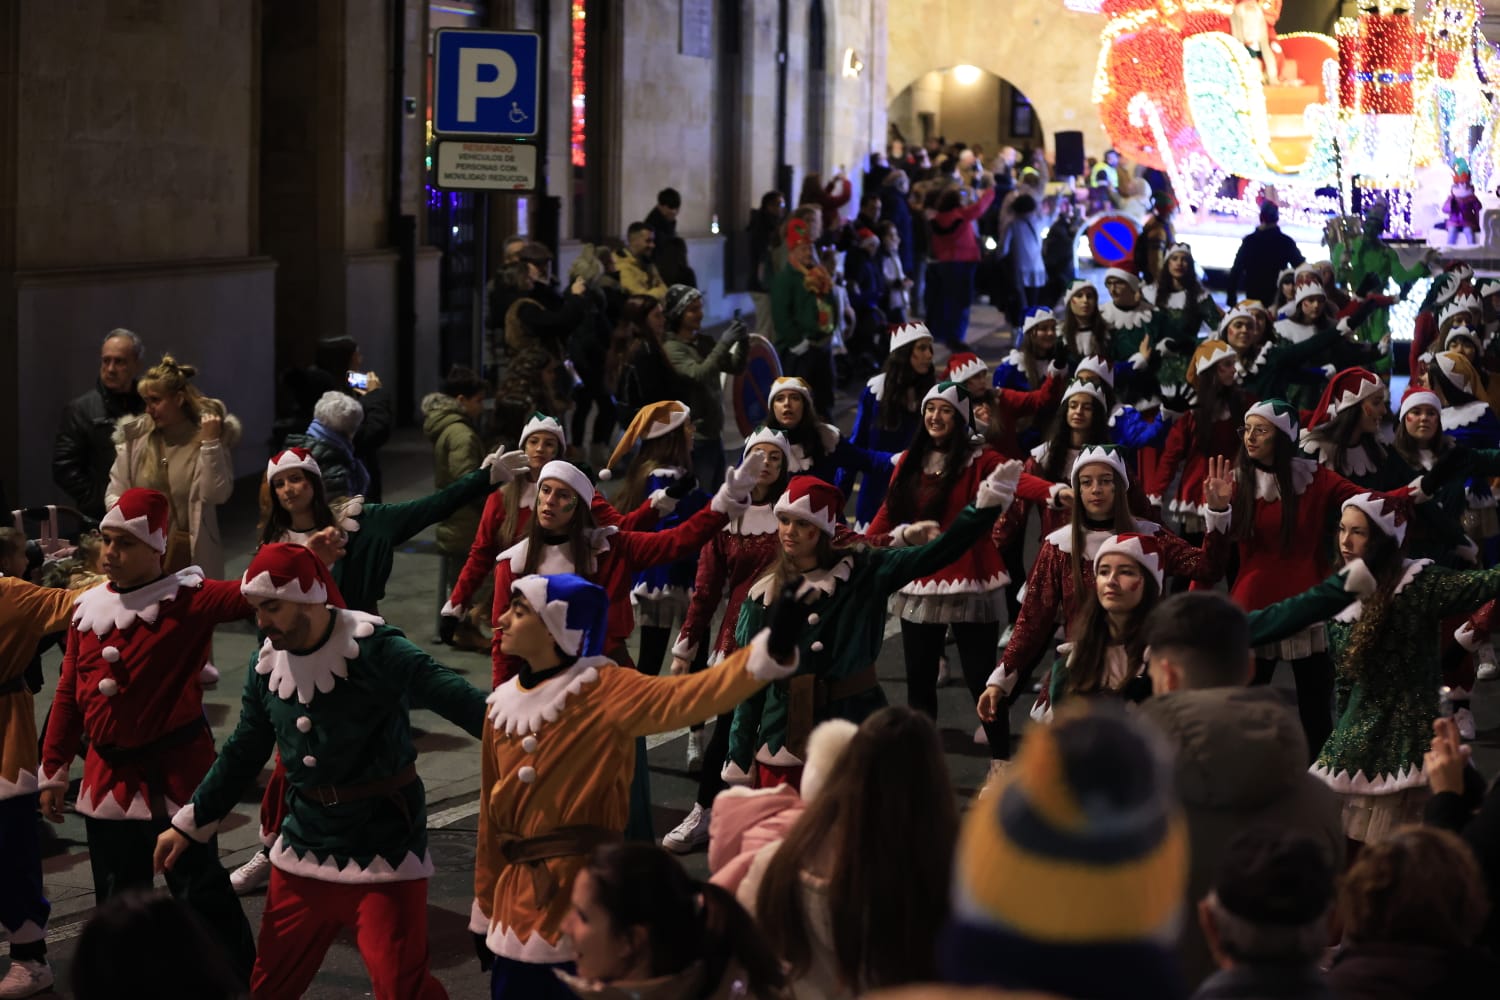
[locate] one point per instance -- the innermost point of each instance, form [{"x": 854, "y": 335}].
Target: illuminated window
[{"x": 577, "y": 96}]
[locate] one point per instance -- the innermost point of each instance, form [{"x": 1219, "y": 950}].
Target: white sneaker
[
  {"x": 25, "y": 979},
  {"x": 695, "y": 749},
  {"x": 691, "y": 833},
  {"x": 1464, "y": 720},
  {"x": 251, "y": 875}
]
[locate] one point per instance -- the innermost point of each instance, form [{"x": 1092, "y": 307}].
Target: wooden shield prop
[{"x": 752, "y": 387}]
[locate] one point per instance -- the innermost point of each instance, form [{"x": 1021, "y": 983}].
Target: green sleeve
[
  {"x": 1406, "y": 275},
  {"x": 432, "y": 685},
  {"x": 1484, "y": 463},
  {"x": 240, "y": 759},
  {"x": 895, "y": 568},
  {"x": 783, "y": 306},
  {"x": 398, "y": 522},
  {"x": 1057, "y": 683},
  {"x": 744, "y": 730},
  {"x": 1444, "y": 592},
  {"x": 1294, "y": 614},
  {"x": 751, "y": 621}
]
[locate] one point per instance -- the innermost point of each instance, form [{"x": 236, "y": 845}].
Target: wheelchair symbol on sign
[{"x": 517, "y": 116}]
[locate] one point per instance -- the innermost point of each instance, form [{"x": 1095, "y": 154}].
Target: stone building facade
[{"x": 234, "y": 179}]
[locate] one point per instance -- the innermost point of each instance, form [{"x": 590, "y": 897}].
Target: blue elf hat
[{"x": 574, "y": 610}]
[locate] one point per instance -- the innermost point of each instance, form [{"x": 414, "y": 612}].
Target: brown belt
[
  {"x": 334, "y": 795},
  {"x": 563, "y": 842},
  {"x": 846, "y": 687}
]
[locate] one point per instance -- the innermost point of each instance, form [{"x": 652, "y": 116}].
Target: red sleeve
[
  {"x": 1012, "y": 521},
  {"x": 64, "y": 722},
  {"x": 1034, "y": 489},
  {"x": 1036, "y": 622},
  {"x": 482, "y": 553},
  {"x": 1179, "y": 439},
  {"x": 1026, "y": 403},
  {"x": 974, "y": 211},
  {"x": 643, "y": 518},
  {"x": 837, "y": 194},
  {"x": 221, "y": 601},
  {"x": 1341, "y": 489},
  {"x": 708, "y": 590},
  {"x": 1202, "y": 564},
  {"x": 644, "y": 549},
  {"x": 1422, "y": 333}
]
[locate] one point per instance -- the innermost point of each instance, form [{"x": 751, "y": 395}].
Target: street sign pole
[{"x": 481, "y": 285}]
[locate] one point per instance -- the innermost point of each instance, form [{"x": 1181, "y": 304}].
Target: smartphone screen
[{"x": 359, "y": 380}]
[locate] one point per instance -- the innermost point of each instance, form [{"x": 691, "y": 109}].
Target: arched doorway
[{"x": 965, "y": 104}]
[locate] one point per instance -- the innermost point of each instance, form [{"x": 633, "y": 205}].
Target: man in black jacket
[
  {"x": 84, "y": 449},
  {"x": 1263, "y": 255}
]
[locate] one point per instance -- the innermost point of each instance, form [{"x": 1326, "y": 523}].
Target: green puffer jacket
[{"x": 456, "y": 451}]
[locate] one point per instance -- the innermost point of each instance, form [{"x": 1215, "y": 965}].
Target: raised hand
[
  {"x": 505, "y": 466},
  {"x": 1444, "y": 764},
  {"x": 1218, "y": 484}
]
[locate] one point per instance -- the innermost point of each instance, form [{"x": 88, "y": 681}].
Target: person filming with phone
[{"x": 339, "y": 367}]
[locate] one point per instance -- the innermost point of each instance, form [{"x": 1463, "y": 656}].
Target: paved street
[{"x": 449, "y": 762}]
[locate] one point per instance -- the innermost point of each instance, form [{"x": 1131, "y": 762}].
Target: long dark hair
[
  {"x": 901, "y": 381},
  {"x": 1345, "y": 434},
  {"x": 882, "y": 832},
  {"x": 1384, "y": 558},
  {"x": 1410, "y": 449},
  {"x": 1166, "y": 284},
  {"x": 1244, "y": 491},
  {"x": 275, "y": 522},
  {"x": 686, "y": 921},
  {"x": 1089, "y": 632},
  {"x": 579, "y": 544},
  {"x": 670, "y": 451},
  {"x": 1034, "y": 365},
  {"x": 806, "y": 434},
  {"x": 902, "y": 499},
  {"x": 1212, "y": 398},
  {"x": 1068, "y": 328},
  {"x": 643, "y": 339},
  {"x": 1054, "y": 467}
]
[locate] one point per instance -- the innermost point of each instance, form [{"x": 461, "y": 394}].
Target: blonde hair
[{"x": 168, "y": 376}]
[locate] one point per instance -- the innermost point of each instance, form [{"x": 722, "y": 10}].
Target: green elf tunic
[
  {"x": 1128, "y": 326},
  {"x": 340, "y": 716},
  {"x": 375, "y": 531},
  {"x": 835, "y": 672},
  {"x": 1385, "y": 707},
  {"x": 1184, "y": 320}
]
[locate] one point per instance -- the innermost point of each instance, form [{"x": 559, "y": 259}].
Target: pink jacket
[
  {"x": 744, "y": 821},
  {"x": 953, "y": 236}
]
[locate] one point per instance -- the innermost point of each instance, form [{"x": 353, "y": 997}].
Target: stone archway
[{"x": 1044, "y": 50}]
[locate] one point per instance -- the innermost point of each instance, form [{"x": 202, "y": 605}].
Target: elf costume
[
  {"x": 130, "y": 684},
  {"x": 352, "y": 851},
  {"x": 559, "y": 748},
  {"x": 821, "y": 449},
  {"x": 870, "y": 430}
]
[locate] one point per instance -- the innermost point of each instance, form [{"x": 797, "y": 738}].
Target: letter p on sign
[{"x": 482, "y": 73}]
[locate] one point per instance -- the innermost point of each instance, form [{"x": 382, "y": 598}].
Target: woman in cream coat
[{"x": 181, "y": 446}]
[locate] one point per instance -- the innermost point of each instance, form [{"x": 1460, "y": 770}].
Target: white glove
[
  {"x": 741, "y": 479},
  {"x": 451, "y": 610},
  {"x": 1055, "y": 370},
  {"x": 999, "y": 487},
  {"x": 504, "y": 467},
  {"x": 916, "y": 533}
]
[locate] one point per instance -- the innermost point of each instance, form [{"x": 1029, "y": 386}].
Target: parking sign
[{"x": 486, "y": 83}]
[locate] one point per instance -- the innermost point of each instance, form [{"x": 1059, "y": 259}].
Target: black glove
[
  {"x": 1453, "y": 464},
  {"x": 1362, "y": 312},
  {"x": 786, "y": 619},
  {"x": 682, "y": 487},
  {"x": 482, "y": 949},
  {"x": 447, "y": 629},
  {"x": 737, "y": 331}
]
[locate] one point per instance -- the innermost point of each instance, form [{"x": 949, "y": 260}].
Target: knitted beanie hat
[
  {"x": 677, "y": 300},
  {"x": 1081, "y": 841},
  {"x": 1275, "y": 877}
]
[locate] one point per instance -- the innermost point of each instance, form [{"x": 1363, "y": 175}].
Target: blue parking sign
[{"x": 486, "y": 83}]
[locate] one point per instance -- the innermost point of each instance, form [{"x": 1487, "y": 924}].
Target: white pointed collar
[
  {"x": 517, "y": 711},
  {"x": 828, "y": 435},
  {"x": 1464, "y": 414},
  {"x": 1062, "y": 538},
  {"x": 760, "y": 519},
  {"x": 599, "y": 544},
  {"x": 305, "y": 674},
  {"x": 1267, "y": 489},
  {"x": 103, "y": 608},
  {"x": 1411, "y": 569},
  {"x": 816, "y": 584},
  {"x": 1121, "y": 319},
  {"x": 1357, "y": 460}
]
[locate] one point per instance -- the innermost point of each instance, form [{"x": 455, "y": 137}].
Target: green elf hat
[
  {"x": 951, "y": 393},
  {"x": 1281, "y": 414}
]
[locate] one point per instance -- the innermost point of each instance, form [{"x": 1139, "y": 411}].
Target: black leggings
[
  {"x": 586, "y": 397},
  {"x": 1314, "y": 676},
  {"x": 655, "y": 642},
  {"x": 710, "y": 783},
  {"x": 977, "y": 643}
]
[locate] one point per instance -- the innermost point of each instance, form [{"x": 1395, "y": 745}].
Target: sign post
[{"x": 488, "y": 96}]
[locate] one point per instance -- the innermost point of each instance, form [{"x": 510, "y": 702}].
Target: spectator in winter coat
[
  {"x": 330, "y": 438},
  {"x": 663, "y": 216},
  {"x": 1261, "y": 257},
  {"x": 1266, "y": 918},
  {"x": 335, "y": 359},
  {"x": 867, "y": 289},
  {"x": 594, "y": 348},
  {"x": 84, "y": 449},
  {"x": 638, "y": 274},
  {"x": 697, "y": 359},
  {"x": 765, "y": 237},
  {"x": 1022, "y": 241},
  {"x": 955, "y": 251},
  {"x": 895, "y": 208},
  {"x": 535, "y": 324},
  {"x": 450, "y": 421},
  {"x": 1241, "y": 758}
]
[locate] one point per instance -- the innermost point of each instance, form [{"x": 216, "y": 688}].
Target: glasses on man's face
[{"x": 1250, "y": 433}]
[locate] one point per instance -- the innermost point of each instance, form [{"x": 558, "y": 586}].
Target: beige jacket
[{"x": 213, "y": 480}]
